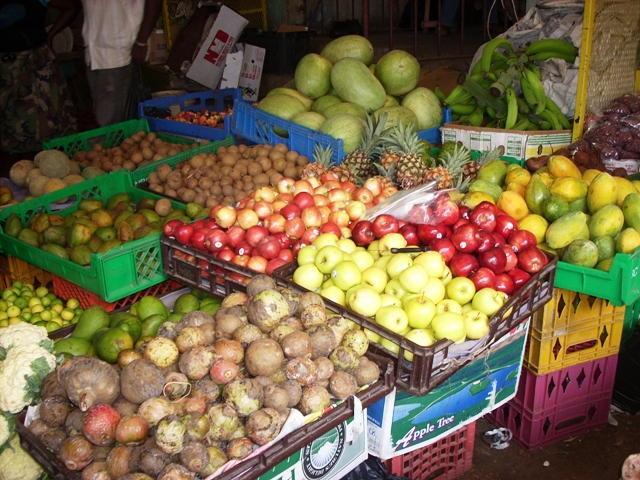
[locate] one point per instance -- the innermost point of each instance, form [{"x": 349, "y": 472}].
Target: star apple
[
  {"x": 308, "y": 276},
  {"x": 444, "y": 247},
  {"x": 346, "y": 275},
  {"x": 463, "y": 265},
  {"x": 399, "y": 263},
  {"x": 432, "y": 262},
  {"x": 306, "y": 255},
  {"x": 362, "y": 259},
  {"x": 325, "y": 239},
  {"x": 488, "y": 301},
  {"x": 504, "y": 283},
  {"x": 392, "y": 318},
  {"x": 334, "y": 294},
  {"x": 450, "y": 326},
  {"x": 461, "y": 290},
  {"x": 376, "y": 278},
  {"x": 448, "y": 305},
  {"x": 391, "y": 240},
  {"x": 464, "y": 238},
  {"x": 387, "y": 300},
  {"x": 327, "y": 258},
  {"x": 483, "y": 278},
  {"x": 420, "y": 311},
  {"x": 413, "y": 279},
  {"x": 494, "y": 259},
  {"x": 365, "y": 301},
  {"x": 434, "y": 290},
  {"x": 384, "y": 224},
  {"x": 476, "y": 324},
  {"x": 420, "y": 336},
  {"x": 382, "y": 261},
  {"x": 395, "y": 289}
]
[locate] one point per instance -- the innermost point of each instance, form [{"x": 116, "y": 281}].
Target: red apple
[
  {"x": 487, "y": 206},
  {"x": 294, "y": 228},
  {"x": 362, "y": 233},
  {"x": 444, "y": 247},
  {"x": 320, "y": 200},
  {"x": 463, "y": 265},
  {"x": 310, "y": 235},
  {"x": 303, "y": 200},
  {"x": 274, "y": 264},
  {"x": 198, "y": 238},
  {"x": 384, "y": 224},
  {"x": 464, "y": 238},
  {"x": 504, "y": 283},
  {"x": 263, "y": 209},
  {"x": 363, "y": 195},
  {"x": 410, "y": 234},
  {"x": 519, "y": 277},
  {"x": 521, "y": 240},
  {"x": 216, "y": 240},
  {"x": 505, "y": 225},
  {"x": 429, "y": 233},
  {"x": 269, "y": 247},
  {"x": 512, "y": 259},
  {"x": 498, "y": 241},
  {"x": 286, "y": 254},
  {"x": 236, "y": 235},
  {"x": 255, "y": 234},
  {"x": 183, "y": 233},
  {"x": 532, "y": 260},
  {"x": 460, "y": 223},
  {"x": 258, "y": 264},
  {"x": 484, "y": 218},
  {"x": 483, "y": 278},
  {"x": 446, "y": 211},
  {"x": 311, "y": 217},
  {"x": 331, "y": 227},
  {"x": 464, "y": 212},
  {"x": 283, "y": 239},
  {"x": 244, "y": 249},
  {"x": 485, "y": 241},
  {"x": 275, "y": 223},
  {"x": 290, "y": 211},
  {"x": 495, "y": 259},
  {"x": 226, "y": 254},
  {"x": 171, "y": 226}
]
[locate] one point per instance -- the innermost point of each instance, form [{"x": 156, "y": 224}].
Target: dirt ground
[{"x": 597, "y": 455}]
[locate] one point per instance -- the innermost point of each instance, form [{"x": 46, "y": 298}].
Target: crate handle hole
[
  {"x": 571, "y": 422},
  {"x": 580, "y": 347}
]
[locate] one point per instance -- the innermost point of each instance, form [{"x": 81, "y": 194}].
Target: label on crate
[{"x": 401, "y": 423}]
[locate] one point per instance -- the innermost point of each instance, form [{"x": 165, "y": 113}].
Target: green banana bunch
[
  {"x": 488, "y": 52},
  {"x": 547, "y": 48},
  {"x": 512, "y": 109}
]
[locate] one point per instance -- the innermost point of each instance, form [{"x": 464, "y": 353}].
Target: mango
[
  {"x": 72, "y": 346},
  {"x": 56, "y": 250},
  {"x": 487, "y": 187},
  {"x": 636, "y": 184},
  {"x": 606, "y": 247},
  {"x": 79, "y": 234},
  {"x": 89, "y": 205},
  {"x": 631, "y": 210},
  {"x": 101, "y": 218},
  {"x": 472, "y": 199},
  {"x": 569, "y": 188},
  {"x": 623, "y": 188},
  {"x": 513, "y": 204},
  {"x": 516, "y": 187},
  {"x": 627, "y": 240},
  {"x": 535, "y": 224},
  {"x": 609, "y": 220},
  {"x": 581, "y": 252},
  {"x": 29, "y": 236},
  {"x": 601, "y": 192},
  {"x": 55, "y": 234},
  {"x": 546, "y": 177},
  {"x": 589, "y": 174},
  {"x": 566, "y": 229},
  {"x": 90, "y": 321},
  {"x": 494, "y": 172},
  {"x": 80, "y": 254},
  {"x": 518, "y": 175},
  {"x": 118, "y": 198},
  {"x": 560, "y": 166},
  {"x": 536, "y": 195}
]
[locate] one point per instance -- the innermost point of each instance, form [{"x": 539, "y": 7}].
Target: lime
[
  {"x": 6, "y": 294},
  {"x": 52, "y": 326},
  {"x": 26, "y": 316},
  {"x": 17, "y": 285},
  {"x": 46, "y": 302},
  {"x": 57, "y": 308},
  {"x": 13, "y": 311},
  {"x": 73, "y": 304},
  {"x": 3, "y": 315},
  {"x": 37, "y": 309},
  {"x": 13, "y": 321},
  {"x": 46, "y": 315},
  {"x": 26, "y": 294},
  {"x": 21, "y": 302},
  {"x": 40, "y": 324},
  {"x": 29, "y": 287},
  {"x": 11, "y": 298},
  {"x": 3, "y": 306},
  {"x": 111, "y": 343},
  {"x": 34, "y": 301},
  {"x": 57, "y": 301},
  {"x": 67, "y": 315},
  {"x": 51, "y": 297},
  {"x": 4, "y": 323},
  {"x": 57, "y": 321},
  {"x": 36, "y": 318},
  {"x": 42, "y": 291}
]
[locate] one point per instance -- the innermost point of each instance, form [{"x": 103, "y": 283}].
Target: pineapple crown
[
  {"x": 323, "y": 155},
  {"x": 403, "y": 138},
  {"x": 454, "y": 160},
  {"x": 490, "y": 155},
  {"x": 374, "y": 128},
  {"x": 389, "y": 172}
]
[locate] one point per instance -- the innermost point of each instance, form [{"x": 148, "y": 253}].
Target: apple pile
[
  {"x": 411, "y": 294},
  {"x": 483, "y": 243}
]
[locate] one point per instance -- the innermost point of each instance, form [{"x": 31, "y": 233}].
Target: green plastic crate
[
  {"x": 113, "y": 275},
  {"x": 142, "y": 174}
]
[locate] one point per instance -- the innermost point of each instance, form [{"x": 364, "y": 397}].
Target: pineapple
[
  {"x": 449, "y": 172},
  {"x": 360, "y": 162},
  {"x": 387, "y": 176},
  {"x": 411, "y": 167},
  {"x": 471, "y": 169},
  {"x": 322, "y": 165}
]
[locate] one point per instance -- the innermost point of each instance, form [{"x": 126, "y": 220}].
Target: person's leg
[{"x": 109, "y": 91}]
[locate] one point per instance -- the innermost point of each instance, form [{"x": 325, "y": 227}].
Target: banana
[
  {"x": 537, "y": 88},
  {"x": 562, "y": 118},
  {"x": 512, "y": 109},
  {"x": 490, "y": 47},
  {"x": 551, "y": 118},
  {"x": 439, "y": 93},
  {"x": 523, "y": 106},
  {"x": 491, "y": 112},
  {"x": 476, "y": 117},
  {"x": 483, "y": 97},
  {"x": 522, "y": 124},
  {"x": 458, "y": 95},
  {"x": 463, "y": 109},
  {"x": 549, "y": 54},
  {"x": 527, "y": 92},
  {"x": 551, "y": 44}
]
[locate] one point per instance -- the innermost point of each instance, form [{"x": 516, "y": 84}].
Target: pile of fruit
[
  {"x": 138, "y": 150},
  {"x": 107, "y": 336},
  {"x": 504, "y": 88},
  {"x": 339, "y": 88},
  {"x": 205, "y": 118},
  {"x": 227, "y": 176},
  {"x": 22, "y": 302},
  {"x": 96, "y": 226},
  {"x": 6, "y": 196},
  {"x": 584, "y": 217},
  {"x": 208, "y": 391}
]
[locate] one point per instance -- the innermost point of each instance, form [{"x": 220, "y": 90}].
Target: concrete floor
[{"x": 596, "y": 455}]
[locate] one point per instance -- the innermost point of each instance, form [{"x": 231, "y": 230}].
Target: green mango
[
  {"x": 89, "y": 205},
  {"x": 484, "y": 186},
  {"x": 494, "y": 172},
  {"x": 73, "y": 346},
  {"x": 118, "y": 198},
  {"x": 40, "y": 222},
  {"x": 131, "y": 325},
  {"x": 631, "y": 210},
  {"x": 150, "y": 215},
  {"x": 193, "y": 210},
  {"x": 554, "y": 208},
  {"x": 151, "y": 324},
  {"x": 55, "y": 234},
  {"x": 29, "y": 236},
  {"x": 79, "y": 234},
  {"x": 90, "y": 321},
  {"x": 536, "y": 194}
]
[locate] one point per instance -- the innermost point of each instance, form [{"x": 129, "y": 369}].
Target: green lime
[
  {"x": 111, "y": 343},
  {"x": 13, "y": 311},
  {"x": 42, "y": 291},
  {"x": 3, "y": 306},
  {"x": 46, "y": 315},
  {"x": 40, "y": 324},
  {"x": 3, "y": 315},
  {"x": 67, "y": 315},
  {"x": 17, "y": 285},
  {"x": 34, "y": 301},
  {"x": 36, "y": 318},
  {"x": 26, "y": 316},
  {"x": 45, "y": 301},
  {"x": 52, "y": 326},
  {"x": 6, "y": 294},
  {"x": 4, "y": 323},
  {"x": 151, "y": 325}
]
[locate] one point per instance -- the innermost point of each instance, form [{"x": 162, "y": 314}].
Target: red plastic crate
[
  {"x": 555, "y": 423},
  {"x": 446, "y": 459},
  {"x": 65, "y": 290},
  {"x": 537, "y": 393}
]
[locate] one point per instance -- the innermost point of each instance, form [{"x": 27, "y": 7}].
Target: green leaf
[
  {"x": 40, "y": 369},
  {"x": 47, "y": 344}
]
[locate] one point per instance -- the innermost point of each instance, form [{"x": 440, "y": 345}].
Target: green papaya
[
  {"x": 609, "y": 221},
  {"x": 566, "y": 229},
  {"x": 631, "y": 210},
  {"x": 484, "y": 186},
  {"x": 494, "y": 172},
  {"x": 581, "y": 252},
  {"x": 536, "y": 194}
]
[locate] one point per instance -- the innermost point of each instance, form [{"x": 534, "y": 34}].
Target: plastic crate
[
  {"x": 631, "y": 317},
  {"x": 620, "y": 285},
  {"x": 113, "y": 275},
  {"x": 571, "y": 329},
  {"x": 211, "y": 100},
  {"x": 13, "y": 269},
  {"x": 537, "y": 393},
  {"x": 430, "y": 366},
  {"x": 555, "y": 423},
  {"x": 447, "y": 459}
]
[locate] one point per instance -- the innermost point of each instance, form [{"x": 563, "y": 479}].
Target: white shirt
[{"x": 109, "y": 30}]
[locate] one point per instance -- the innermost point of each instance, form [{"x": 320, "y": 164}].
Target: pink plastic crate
[
  {"x": 537, "y": 393},
  {"x": 556, "y": 423}
]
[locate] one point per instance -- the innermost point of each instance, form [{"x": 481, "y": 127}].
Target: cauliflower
[
  {"x": 21, "y": 374},
  {"x": 16, "y": 464},
  {"x": 7, "y": 429},
  {"x": 23, "y": 334}
]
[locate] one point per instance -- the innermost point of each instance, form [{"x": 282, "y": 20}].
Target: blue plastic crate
[{"x": 214, "y": 100}]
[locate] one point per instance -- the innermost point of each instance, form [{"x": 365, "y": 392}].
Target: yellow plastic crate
[
  {"x": 13, "y": 269},
  {"x": 573, "y": 328}
]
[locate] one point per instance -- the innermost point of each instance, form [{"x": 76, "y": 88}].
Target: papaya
[
  {"x": 623, "y": 188},
  {"x": 56, "y": 250},
  {"x": 513, "y": 204},
  {"x": 12, "y": 226},
  {"x": 494, "y": 172},
  {"x": 484, "y": 186},
  {"x": 609, "y": 220},
  {"x": 606, "y": 247},
  {"x": 601, "y": 192},
  {"x": 516, "y": 187},
  {"x": 589, "y": 174},
  {"x": 581, "y": 252},
  {"x": 579, "y": 205},
  {"x": 566, "y": 229},
  {"x": 560, "y": 166},
  {"x": 627, "y": 240},
  {"x": 546, "y": 177},
  {"x": 631, "y": 210},
  {"x": 536, "y": 194},
  {"x": 554, "y": 208},
  {"x": 569, "y": 188},
  {"x": 517, "y": 175}
]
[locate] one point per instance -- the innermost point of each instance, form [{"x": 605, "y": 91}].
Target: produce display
[
  {"x": 22, "y": 302},
  {"x": 112, "y": 336},
  {"x": 96, "y": 226},
  {"x": 6, "y": 196},
  {"x": 504, "y": 88},
  {"x": 205, "y": 118},
  {"x": 138, "y": 150},
  {"x": 336, "y": 90},
  {"x": 207, "y": 392},
  {"x": 227, "y": 176}
]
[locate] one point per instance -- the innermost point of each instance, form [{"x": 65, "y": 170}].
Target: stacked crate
[{"x": 570, "y": 368}]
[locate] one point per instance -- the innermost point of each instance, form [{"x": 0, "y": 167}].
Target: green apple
[
  {"x": 432, "y": 262},
  {"x": 420, "y": 336},
  {"x": 376, "y": 278},
  {"x": 390, "y": 346},
  {"x": 346, "y": 245},
  {"x": 414, "y": 278},
  {"x": 327, "y": 283},
  {"x": 346, "y": 275},
  {"x": 392, "y": 318},
  {"x": 374, "y": 249},
  {"x": 398, "y": 264},
  {"x": 410, "y": 296},
  {"x": 394, "y": 288},
  {"x": 405, "y": 331},
  {"x": 449, "y": 325},
  {"x": 382, "y": 261},
  {"x": 365, "y": 301},
  {"x": 460, "y": 289},
  {"x": 476, "y": 324},
  {"x": 334, "y": 294},
  {"x": 448, "y": 306},
  {"x": 328, "y": 257},
  {"x": 348, "y": 293},
  {"x": 308, "y": 276},
  {"x": 488, "y": 301},
  {"x": 371, "y": 335},
  {"x": 325, "y": 239},
  {"x": 362, "y": 258},
  {"x": 387, "y": 300},
  {"x": 434, "y": 290},
  {"x": 467, "y": 307},
  {"x": 420, "y": 311},
  {"x": 391, "y": 240},
  {"x": 447, "y": 276},
  {"x": 307, "y": 254}
]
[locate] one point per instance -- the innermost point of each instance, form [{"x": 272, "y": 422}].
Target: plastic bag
[
  {"x": 372, "y": 469},
  {"x": 420, "y": 205}
]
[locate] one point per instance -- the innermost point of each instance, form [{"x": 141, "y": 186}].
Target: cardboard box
[
  {"x": 243, "y": 70},
  {"x": 518, "y": 145},
  {"x": 209, "y": 62},
  {"x": 330, "y": 456},
  {"x": 401, "y": 423}
]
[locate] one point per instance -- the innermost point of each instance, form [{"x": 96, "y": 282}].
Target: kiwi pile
[
  {"x": 229, "y": 175},
  {"x": 138, "y": 150}
]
